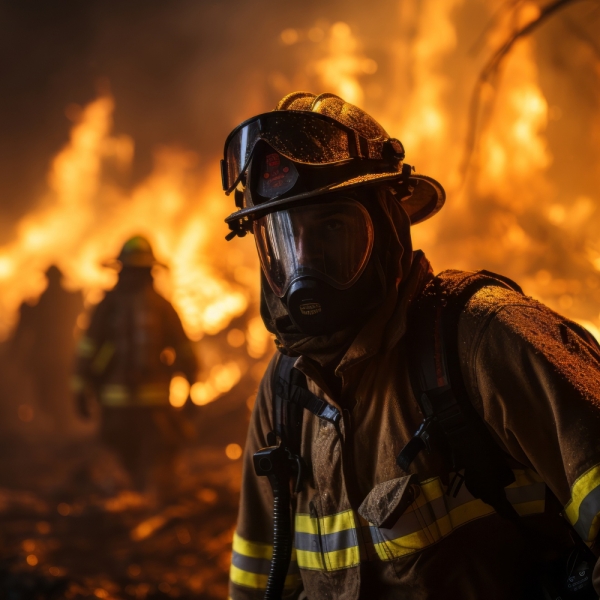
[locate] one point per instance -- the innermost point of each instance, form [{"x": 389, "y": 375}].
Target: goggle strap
[{"x": 224, "y": 174}]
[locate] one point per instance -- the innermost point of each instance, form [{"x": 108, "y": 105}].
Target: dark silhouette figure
[
  {"x": 43, "y": 346},
  {"x": 126, "y": 359}
]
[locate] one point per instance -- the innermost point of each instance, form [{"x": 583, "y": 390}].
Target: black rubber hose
[{"x": 282, "y": 543}]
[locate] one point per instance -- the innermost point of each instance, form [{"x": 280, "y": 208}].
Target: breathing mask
[
  {"x": 304, "y": 178},
  {"x": 313, "y": 258}
]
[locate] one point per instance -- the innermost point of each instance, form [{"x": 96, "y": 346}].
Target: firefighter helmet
[
  {"x": 313, "y": 146},
  {"x": 137, "y": 252}
]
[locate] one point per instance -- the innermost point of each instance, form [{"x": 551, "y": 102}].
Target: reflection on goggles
[
  {"x": 304, "y": 137},
  {"x": 329, "y": 241}
]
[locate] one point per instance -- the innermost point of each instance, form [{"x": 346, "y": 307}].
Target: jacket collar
[{"x": 384, "y": 329}]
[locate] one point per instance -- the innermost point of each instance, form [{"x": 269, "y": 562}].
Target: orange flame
[{"x": 86, "y": 217}]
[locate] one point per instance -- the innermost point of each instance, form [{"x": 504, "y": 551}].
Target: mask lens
[
  {"x": 330, "y": 241},
  {"x": 239, "y": 150}
]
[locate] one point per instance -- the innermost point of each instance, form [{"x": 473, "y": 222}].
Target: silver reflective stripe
[
  {"x": 260, "y": 566},
  {"x": 331, "y": 541},
  {"x": 588, "y": 511}
]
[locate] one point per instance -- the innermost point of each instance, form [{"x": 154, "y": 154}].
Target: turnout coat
[{"x": 533, "y": 380}]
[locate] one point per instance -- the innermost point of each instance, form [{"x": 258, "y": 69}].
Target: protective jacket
[
  {"x": 132, "y": 348},
  {"x": 536, "y": 385}
]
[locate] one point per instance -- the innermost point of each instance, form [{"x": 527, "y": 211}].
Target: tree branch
[{"x": 491, "y": 69}]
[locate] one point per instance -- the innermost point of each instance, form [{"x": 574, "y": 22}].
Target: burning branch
[{"x": 491, "y": 70}]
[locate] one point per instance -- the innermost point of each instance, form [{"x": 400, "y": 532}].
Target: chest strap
[{"x": 451, "y": 425}]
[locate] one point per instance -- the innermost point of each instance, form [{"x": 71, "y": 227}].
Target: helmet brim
[
  {"x": 117, "y": 263},
  {"x": 426, "y": 199}
]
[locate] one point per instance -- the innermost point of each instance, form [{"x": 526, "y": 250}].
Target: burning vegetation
[{"x": 520, "y": 168}]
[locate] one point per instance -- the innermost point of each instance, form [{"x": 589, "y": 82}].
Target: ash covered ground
[{"x": 72, "y": 527}]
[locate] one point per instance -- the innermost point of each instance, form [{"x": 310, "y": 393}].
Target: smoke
[{"x": 184, "y": 73}]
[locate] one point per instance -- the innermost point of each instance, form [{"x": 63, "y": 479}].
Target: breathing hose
[{"x": 274, "y": 463}]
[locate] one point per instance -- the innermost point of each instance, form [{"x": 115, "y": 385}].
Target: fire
[
  {"x": 87, "y": 216},
  {"x": 510, "y": 195}
]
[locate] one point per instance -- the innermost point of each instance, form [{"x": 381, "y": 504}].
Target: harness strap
[
  {"x": 450, "y": 419},
  {"x": 291, "y": 389}
]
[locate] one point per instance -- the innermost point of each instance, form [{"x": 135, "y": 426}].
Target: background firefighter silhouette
[{"x": 125, "y": 360}]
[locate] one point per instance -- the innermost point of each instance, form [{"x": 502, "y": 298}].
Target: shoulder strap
[
  {"x": 438, "y": 385},
  {"x": 287, "y": 417},
  {"x": 291, "y": 397}
]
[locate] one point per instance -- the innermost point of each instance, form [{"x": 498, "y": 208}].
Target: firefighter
[
  {"x": 133, "y": 346},
  {"x": 474, "y": 475}
]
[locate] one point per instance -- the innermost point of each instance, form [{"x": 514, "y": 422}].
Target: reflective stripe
[
  {"x": 102, "y": 358},
  {"x": 583, "y": 510},
  {"x": 251, "y": 562},
  {"x": 434, "y": 515},
  {"x": 153, "y": 394},
  {"x": 86, "y": 347},
  {"x": 327, "y": 543},
  {"x": 77, "y": 383}
]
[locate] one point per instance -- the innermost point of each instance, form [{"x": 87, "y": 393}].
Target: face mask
[{"x": 316, "y": 259}]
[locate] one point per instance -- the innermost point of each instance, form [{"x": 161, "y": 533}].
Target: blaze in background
[
  {"x": 87, "y": 216},
  {"x": 510, "y": 215}
]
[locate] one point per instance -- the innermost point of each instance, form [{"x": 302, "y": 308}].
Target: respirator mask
[{"x": 316, "y": 260}]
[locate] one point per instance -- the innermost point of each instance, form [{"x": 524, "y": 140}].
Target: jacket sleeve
[
  {"x": 535, "y": 379},
  {"x": 185, "y": 357},
  {"x": 253, "y": 539},
  {"x": 92, "y": 351}
]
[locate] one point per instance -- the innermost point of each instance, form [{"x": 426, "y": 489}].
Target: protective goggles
[
  {"x": 331, "y": 241},
  {"x": 302, "y": 136}
]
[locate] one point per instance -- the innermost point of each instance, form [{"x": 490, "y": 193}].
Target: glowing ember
[
  {"x": 233, "y": 451},
  {"x": 221, "y": 379},
  {"x": 178, "y": 391}
]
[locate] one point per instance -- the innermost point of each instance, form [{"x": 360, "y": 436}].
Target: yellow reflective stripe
[
  {"x": 86, "y": 347},
  {"x": 342, "y": 559},
  {"x": 338, "y": 522},
  {"x": 257, "y": 581},
  {"x": 327, "y": 543},
  {"x": 433, "y": 515},
  {"x": 252, "y": 564},
  {"x": 115, "y": 395},
  {"x": 467, "y": 512},
  {"x": 430, "y": 490},
  {"x": 310, "y": 560},
  {"x": 583, "y": 509},
  {"x": 245, "y": 578},
  {"x": 306, "y": 524},
  {"x": 103, "y": 357},
  {"x": 154, "y": 394},
  {"x": 402, "y": 546},
  {"x": 252, "y": 549},
  {"x": 589, "y": 481}
]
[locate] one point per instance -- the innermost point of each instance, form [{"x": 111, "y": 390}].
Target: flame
[
  {"x": 86, "y": 217},
  {"x": 541, "y": 237},
  {"x": 344, "y": 63},
  {"x": 222, "y": 378},
  {"x": 546, "y": 242}
]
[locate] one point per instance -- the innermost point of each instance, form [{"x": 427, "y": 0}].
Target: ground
[{"x": 72, "y": 527}]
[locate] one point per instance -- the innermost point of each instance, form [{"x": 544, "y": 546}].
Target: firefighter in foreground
[
  {"x": 134, "y": 345},
  {"x": 416, "y": 436}
]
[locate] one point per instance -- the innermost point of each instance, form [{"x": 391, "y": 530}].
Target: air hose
[{"x": 274, "y": 463}]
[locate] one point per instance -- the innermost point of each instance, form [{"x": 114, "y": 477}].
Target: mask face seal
[{"x": 313, "y": 258}]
